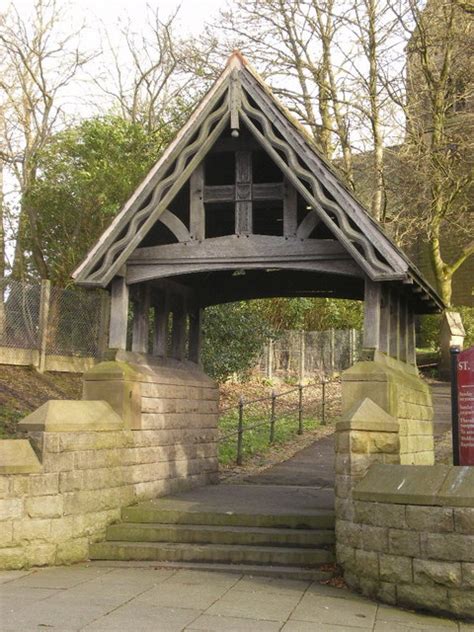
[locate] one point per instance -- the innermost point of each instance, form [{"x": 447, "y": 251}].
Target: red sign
[{"x": 466, "y": 406}]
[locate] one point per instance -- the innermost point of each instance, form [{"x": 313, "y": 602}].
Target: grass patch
[
  {"x": 256, "y": 435},
  {"x": 9, "y": 418}
]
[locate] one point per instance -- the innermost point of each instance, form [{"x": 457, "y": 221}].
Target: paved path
[
  {"x": 314, "y": 466},
  {"x": 126, "y": 597},
  {"x": 251, "y": 499},
  {"x": 311, "y": 467},
  {"x": 442, "y": 406}
]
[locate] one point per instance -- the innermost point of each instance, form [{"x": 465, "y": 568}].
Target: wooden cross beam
[{"x": 226, "y": 192}]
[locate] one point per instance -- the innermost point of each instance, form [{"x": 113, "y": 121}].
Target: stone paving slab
[
  {"x": 258, "y": 499},
  {"x": 95, "y": 598}
]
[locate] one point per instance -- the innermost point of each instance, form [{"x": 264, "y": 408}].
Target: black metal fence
[{"x": 259, "y": 419}]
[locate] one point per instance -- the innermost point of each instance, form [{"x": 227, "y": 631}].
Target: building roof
[{"x": 241, "y": 97}]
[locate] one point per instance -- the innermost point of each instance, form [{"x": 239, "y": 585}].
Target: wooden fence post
[
  {"x": 301, "y": 357},
  {"x": 332, "y": 342},
  {"x": 43, "y": 323},
  {"x": 270, "y": 359},
  {"x": 300, "y": 409},
  {"x": 323, "y": 402},
  {"x": 240, "y": 431},
  {"x": 272, "y": 418}
]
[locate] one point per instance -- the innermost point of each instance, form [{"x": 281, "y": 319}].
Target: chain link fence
[{"x": 51, "y": 328}]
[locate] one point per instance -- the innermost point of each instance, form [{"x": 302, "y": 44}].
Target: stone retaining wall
[
  {"x": 411, "y": 539},
  {"x": 404, "y": 533},
  {"x": 87, "y": 464}
]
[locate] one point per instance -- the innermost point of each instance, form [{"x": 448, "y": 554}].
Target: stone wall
[
  {"x": 398, "y": 390},
  {"x": 87, "y": 463},
  {"x": 411, "y": 538},
  {"x": 404, "y": 533}
]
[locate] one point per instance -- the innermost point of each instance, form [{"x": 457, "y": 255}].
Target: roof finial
[
  {"x": 236, "y": 58},
  {"x": 234, "y": 102}
]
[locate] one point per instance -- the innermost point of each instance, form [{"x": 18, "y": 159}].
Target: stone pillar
[
  {"x": 366, "y": 435},
  {"x": 452, "y": 335},
  {"x": 397, "y": 389}
]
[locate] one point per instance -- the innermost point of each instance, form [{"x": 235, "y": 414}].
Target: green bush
[
  {"x": 467, "y": 315},
  {"x": 429, "y": 332},
  {"x": 234, "y": 335}
]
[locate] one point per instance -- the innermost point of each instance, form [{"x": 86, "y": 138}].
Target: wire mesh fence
[
  {"x": 39, "y": 322},
  {"x": 306, "y": 353},
  {"x": 19, "y": 314},
  {"x": 74, "y": 322}
]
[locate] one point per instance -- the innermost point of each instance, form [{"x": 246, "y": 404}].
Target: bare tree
[
  {"x": 38, "y": 62},
  {"x": 292, "y": 45},
  {"x": 324, "y": 59},
  {"x": 152, "y": 79}
]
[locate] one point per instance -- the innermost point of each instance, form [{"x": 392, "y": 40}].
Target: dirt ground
[{"x": 23, "y": 389}]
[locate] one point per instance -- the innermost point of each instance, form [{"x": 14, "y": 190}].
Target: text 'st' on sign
[{"x": 466, "y": 406}]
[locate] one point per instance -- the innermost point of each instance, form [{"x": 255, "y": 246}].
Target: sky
[{"x": 193, "y": 12}]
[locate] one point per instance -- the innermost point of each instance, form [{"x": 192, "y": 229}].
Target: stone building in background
[{"x": 407, "y": 173}]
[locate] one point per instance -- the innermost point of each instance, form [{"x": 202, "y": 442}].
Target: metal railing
[{"x": 271, "y": 416}]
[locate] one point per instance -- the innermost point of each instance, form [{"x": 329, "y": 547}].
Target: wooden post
[
  {"x": 119, "y": 294},
  {"x": 43, "y": 322},
  {"x": 290, "y": 210},
  {"x": 300, "y": 409},
  {"x": 160, "y": 334},
  {"x": 411, "y": 336},
  {"x": 372, "y": 307},
  {"x": 332, "y": 349},
  {"x": 240, "y": 432},
  {"x": 301, "y": 357},
  {"x": 195, "y": 335},
  {"x": 351, "y": 346},
  {"x": 141, "y": 319},
  {"x": 104, "y": 318},
  {"x": 385, "y": 320},
  {"x": 243, "y": 192},
  {"x": 403, "y": 332},
  {"x": 197, "y": 218},
  {"x": 270, "y": 359},
  {"x": 178, "y": 335},
  {"x": 272, "y": 417},
  {"x": 394, "y": 325}
]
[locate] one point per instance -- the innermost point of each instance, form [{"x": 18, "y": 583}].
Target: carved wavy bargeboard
[{"x": 164, "y": 192}]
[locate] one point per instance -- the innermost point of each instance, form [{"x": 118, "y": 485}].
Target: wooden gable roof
[{"x": 240, "y": 97}]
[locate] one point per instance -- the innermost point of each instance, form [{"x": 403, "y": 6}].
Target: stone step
[
  {"x": 211, "y": 534},
  {"x": 152, "y": 513},
  {"x": 220, "y": 553},
  {"x": 280, "y": 572}
]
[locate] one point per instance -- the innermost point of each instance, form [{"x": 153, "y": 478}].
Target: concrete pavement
[{"x": 140, "y": 598}]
